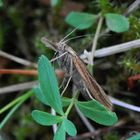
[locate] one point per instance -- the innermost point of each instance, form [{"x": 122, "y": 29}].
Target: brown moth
[{"x": 87, "y": 81}]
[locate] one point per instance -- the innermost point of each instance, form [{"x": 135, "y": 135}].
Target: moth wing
[{"x": 95, "y": 89}]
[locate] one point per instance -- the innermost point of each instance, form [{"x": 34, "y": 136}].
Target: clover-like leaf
[
  {"x": 80, "y": 20},
  {"x": 39, "y": 94},
  {"x": 117, "y": 22},
  {"x": 46, "y": 119},
  {"x": 69, "y": 127},
  {"x": 97, "y": 112},
  {"x": 65, "y": 126},
  {"x": 49, "y": 85},
  {"x": 60, "y": 133},
  {"x": 65, "y": 101}
]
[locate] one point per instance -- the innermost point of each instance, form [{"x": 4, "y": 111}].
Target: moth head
[
  {"x": 61, "y": 46},
  {"x": 49, "y": 44}
]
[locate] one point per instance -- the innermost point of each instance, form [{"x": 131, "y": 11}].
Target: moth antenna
[
  {"x": 80, "y": 36},
  {"x": 68, "y": 35}
]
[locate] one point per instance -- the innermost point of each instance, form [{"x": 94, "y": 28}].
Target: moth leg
[
  {"x": 54, "y": 56},
  {"x": 63, "y": 82},
  {"x": 66, "y": 85},
  {"x": 70, "y": 76},
  {"x": 89, "y": 94},
  {"x": 62, "y": 63},
  {"x": 71, "y": 67}
]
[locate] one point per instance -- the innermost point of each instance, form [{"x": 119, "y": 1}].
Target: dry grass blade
[{"x": 18, "y": 87}]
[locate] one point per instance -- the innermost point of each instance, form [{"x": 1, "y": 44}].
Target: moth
[{"x": 88, "y": 84}]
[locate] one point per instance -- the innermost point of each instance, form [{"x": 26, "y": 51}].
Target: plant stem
[
  {"x": 21, "y": 98},
  {"x": 71, "y": 104},
  {"x": 95, "y": 40},
  {"x": 10, "y": 113}
]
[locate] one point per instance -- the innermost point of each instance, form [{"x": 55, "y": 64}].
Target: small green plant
[
  {"x": 48, "y": 93},
  {"x": 14, "y": 105},
  {"x": 115, "y": 22},
  {"x": 55, "y": 2},
  {"x": 1, "y": 3},
  {"x": 130, "y": 63}
]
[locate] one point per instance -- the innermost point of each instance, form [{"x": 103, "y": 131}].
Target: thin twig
[
  {"x": 98, "y": 132},
  {"x": 18, "y": 71},
  {"x": 124, "y": 105},
  {"x": 85, "y": 120},
  {"x": 18, "y": 87},
  {"x": 17, "y": 59},
  {"x": 113, "y": 49},
  {"x": 118, "y": 48},
  {"x": 134, "y": 6},
  {"x": 59, "y": 73}
]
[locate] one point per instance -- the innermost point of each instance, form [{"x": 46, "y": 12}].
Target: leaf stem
[
  {"x": 10, "y": 113},
  {"x": 95, "y": 40},
  {"x": 71, "y": 104},
  {"x": 12, "y": 103}
]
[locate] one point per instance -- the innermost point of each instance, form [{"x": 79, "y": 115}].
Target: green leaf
[
  {"x": 116, "y": 22},
  {"x": 69, "y": 127},
  {"x": 80, "y": 20},
  {"x": 49, "y": 85},
  {"x": 1, "y": 3},
  {"x": 97, "y": 112},
  {"x": 90, "y": 68},
  {"x": 55, "y": 2},
  {"x": 65, "y": 126},
  {"x": 10, "y": 113},
  {"x": 60, "y": 133},
  {"x": 135, "y": 137},
  {"x": 65, "y": 101},
  {"x": 44, "y": 118},
  {"x": 40, "y": 96},
  {"x": 104, "y": 5}
]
